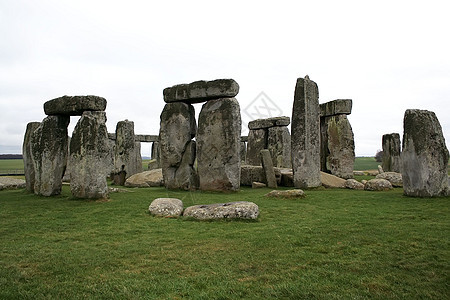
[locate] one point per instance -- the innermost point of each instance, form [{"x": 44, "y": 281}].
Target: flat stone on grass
[
  {"x": 297, "y": 193},
  {"x": 166, "y": 207},
  {"x": 231, "y": 210}
]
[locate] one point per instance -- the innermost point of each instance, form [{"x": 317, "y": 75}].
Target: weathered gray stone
[
  {"x": 377, "y": 185},
  {"x": 258, "y": 185},
  {"x": 27, "y": 157},
  {"x": 218, "y": 145},
  {"x": 153, "y": 164},
  {"x": 353, "y": 184},
  {"x": 286, "y": 178},
  {"x": 279, "y": 145},
  {"x": 231, "y": 210},
  {"x": 250, "y": 174},
  {"x": 391, "y": 153},
  {"x": 90, "y": 156},
  {"x": 359, "y": 173},
  {"x": 152, "y": 178},
  {"x": 266, "y": 161},
  {"x": 74, "y": 105},
  {"x": 305, "y": 138},
  {"x": 177, "y": 156},
  {"x": 269, "y": 122},
  {"x": 297, "y": 193},
  {"x": 336, "y": 107},
  {"x": 7, "y": 183},
  {"x": 337, "y": 146},
  {"x": 380, "y": 170},
  {"x": 127, "y": 152},
  {"x": 394, "y": 178},
  {"x": 156, "y": 152},
  {"x": 49, "y": 144},
  {"x": 424, "y": 156},
  {"x": 166, "y": 207},
  {"x": 201, "y": 91},
  {"x": 331, "y": 181},
  {"x": 243, "y": 152},
  {"x": 257, "y": 141}
]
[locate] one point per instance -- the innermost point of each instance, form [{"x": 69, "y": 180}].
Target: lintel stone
[
  {"x": 269, "y": 122},
  {"x": 336, "y": 107},
  {"x": 201, "y": 91},
  {"x": 74, "y": 105}
]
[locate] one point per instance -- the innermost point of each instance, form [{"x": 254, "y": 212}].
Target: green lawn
[
  {"x": 333, "y": 244},
  {"x": 366, "y": 163},
  {"x": 7, "y": 165}
]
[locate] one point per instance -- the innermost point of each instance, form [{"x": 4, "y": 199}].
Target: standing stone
[
  {"x": 305, "y": 140},
  {"x": 49, "y": 144},
  {"x": 340, "y": 146},
  {"x": 266, "y": 161},
  {"x": 391, "y": 153},
  {"x": 27, "y": 157},
  {"x": 279, "y": 145},
  {"x": 257, "y": 141},
  {"x": 243, "y": 152},
  {"x": 424, "y": 156},
  {"x": 125, "y": 158},
  {"x": 178, "y": 128},
  {"x": 90, "y": 156},
  {"x": 218, "y": 145}
]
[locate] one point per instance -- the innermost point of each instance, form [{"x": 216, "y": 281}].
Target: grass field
[{"x": 333, "y": 244}]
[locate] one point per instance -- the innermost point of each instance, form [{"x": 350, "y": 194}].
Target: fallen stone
[
  {"x": 372, "y": 172},
  {"x": 231, "y": 210},
  {"x": 380, "y": 170},
  {"x": 331, "y": 181},
  {"x": 166, "y": 207},
  {"x": 218, "y": 145},
  {"x": 354, "y": 184},
  {"x": 269, "y": 122},
  {"x": 394, "y": 178},
  {"x": 257, "y": 185},
  {"x": 359, "y": 173},
  {"x": 425, "y": 155},
  {"x": 74, "y": 105},
  {"x": 250, "y": 174},
  {"x": 378, "y": 185},
  {"x": 364, "y": 181},
  {"x": 297, "y": 193},
  {"x": 201, "y": 91},
  {"x": 305, "y": 139},
  {"x": 152, "y": 178},
  {"x": 11, "y": 183},
  {"x": 336, "y": 107}
]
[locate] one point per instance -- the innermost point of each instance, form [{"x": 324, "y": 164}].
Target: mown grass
[
  {"x": 365, "y": 163},
  {"x": 333, "y": 244},
  {"x": 11, "y": 164}
]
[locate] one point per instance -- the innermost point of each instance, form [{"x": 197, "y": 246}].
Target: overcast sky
[{"x": 387, "y": 56}]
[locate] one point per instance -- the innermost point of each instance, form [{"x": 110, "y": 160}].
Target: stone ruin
[
  {"x": 271, "y": 134},
  {"x": 305, "y": 139},
  {"x": 425, "y": 156},
  {"x": 337, "y": 145},
  {"x": 391, "y": 161},
  {"x": 46, "y": 148},
  {"x": 216, "y": 147}
]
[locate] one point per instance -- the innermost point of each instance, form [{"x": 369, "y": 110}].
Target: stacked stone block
[
  {"x": 337, "y": 145},
  {"x": 218, "y": 143},
  {"x": 47, "y": 146},
  {"x": 271, "y": 134}
]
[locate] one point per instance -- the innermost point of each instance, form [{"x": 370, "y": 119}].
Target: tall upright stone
[
  {"x": 279, "y": 145},
  {"x": 218, "y": 145},
  {"x": 305, "y": 139},
  {"x": 257, "y": 141},
  {"x": 178, "y": 150},
  {"x": 27, "y": 156},
  {"x": 126, "y": 162},
  {"x": 49, "y": 144},
  {"x": 425, "y": 156},
  {"x": 391, "y": 153},
  {"x": 90, "y": 156}
]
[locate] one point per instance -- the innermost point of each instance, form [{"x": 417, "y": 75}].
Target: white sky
[{"x": 387, "y": 56}]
